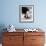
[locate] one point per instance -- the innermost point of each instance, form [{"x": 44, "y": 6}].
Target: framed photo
[{"x": 26, "y": 13}]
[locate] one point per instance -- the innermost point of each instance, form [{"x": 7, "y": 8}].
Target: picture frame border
[{"x": 20, "y": 14}]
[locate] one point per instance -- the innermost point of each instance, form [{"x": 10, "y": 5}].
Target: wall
[{"x": 9, "y": 13}]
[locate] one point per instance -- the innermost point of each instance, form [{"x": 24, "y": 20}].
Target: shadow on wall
[{"x": 2, "y": 26}]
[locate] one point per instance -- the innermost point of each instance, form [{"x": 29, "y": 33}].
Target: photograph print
[{"x": 26, "y": 13}]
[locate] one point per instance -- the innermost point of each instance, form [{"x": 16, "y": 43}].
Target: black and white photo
[{"x": 26, "y": 13}]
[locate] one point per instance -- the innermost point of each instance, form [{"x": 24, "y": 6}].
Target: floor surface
[{"x": 0, "y": 44}]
